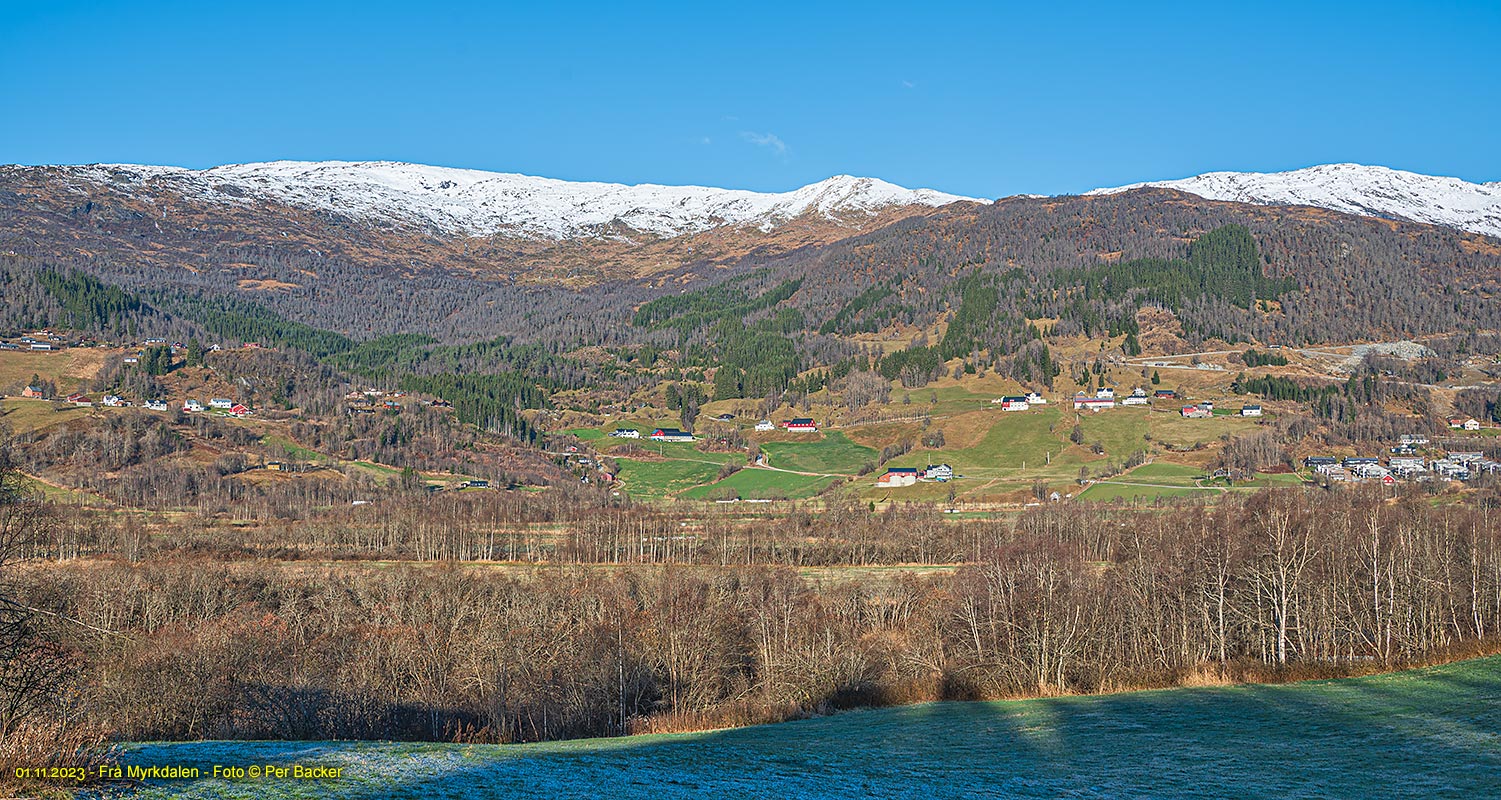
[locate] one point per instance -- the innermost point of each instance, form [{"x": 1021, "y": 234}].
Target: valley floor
[{"x": 1429, "y": 733}]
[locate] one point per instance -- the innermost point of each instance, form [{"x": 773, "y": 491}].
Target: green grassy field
[
  {"x": 1430, "y": 733},
  {"x": 762, "y": 483},
  {"x": 659, "y": 480},
  {"x": 1105, "y": 492},
  {"x": 834, "y": 454},
  {"x": 1165, "y": 472},
  {"x": 589, "y": 434}
]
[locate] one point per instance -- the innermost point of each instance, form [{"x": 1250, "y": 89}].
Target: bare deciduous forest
[{"x": 495, "y": 628}]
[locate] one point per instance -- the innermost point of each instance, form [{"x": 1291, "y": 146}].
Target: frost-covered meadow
[{"x": 1427, "y": 733}]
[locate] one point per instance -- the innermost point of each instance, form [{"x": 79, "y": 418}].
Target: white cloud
[
  {"x": 909, "y": 84},
  {"x": 768, "y": 140}
]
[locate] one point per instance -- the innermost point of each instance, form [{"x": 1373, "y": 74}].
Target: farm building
[
  {"x": 1250, "y": 411},
  {"x": 1196, "y": 412},
  {"x": 239, "y": 410},
  {"x": 1085, "y": 402},
  {"x": 726, "y": 417},
  {"x": 938, "y": 472},
  {"x": 671, "y": 435},
  {"x": 898, "y": 476},
  {"x": 40, "y": 346},
  {"x": 1470, "y": 424},
  {"x": 802, "y": 425},
  {"x": 1165, "y": 394},
  {"x": 1314, "y": 462},
  {"x": 32, "y": 391},
  {"x": 1014, "y": 404}
]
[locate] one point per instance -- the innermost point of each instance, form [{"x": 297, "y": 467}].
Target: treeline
[{"x": 1059, "y": 599}]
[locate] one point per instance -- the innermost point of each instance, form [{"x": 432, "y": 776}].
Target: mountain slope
[
  {"x": 476, "y": 203},
  {"x": 1354, "y": 189}
]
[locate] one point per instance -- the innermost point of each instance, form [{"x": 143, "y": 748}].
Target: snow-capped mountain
[
  {"x": 477, "y": 203},
  {"x": 1355, "y": 189}
]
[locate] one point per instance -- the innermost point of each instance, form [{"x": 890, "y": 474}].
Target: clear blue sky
[{"x": 985, "y": 99}]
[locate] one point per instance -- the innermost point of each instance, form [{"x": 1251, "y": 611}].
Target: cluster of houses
[
  {"x": 220, "y": 404},
  {"x": 1464, "y": 424},
  {"x": 38, "y": 342},
  {"x": 81, "y": 400},
  {"x": 799, "y": 425},
  {"x": 369, "y": 401},
  {"x": 1206, "y": 409},
  {"x": 1404, "y": 463},
  {"x": 907, "y": 476},
  {"x": 1104, "y": 398}
]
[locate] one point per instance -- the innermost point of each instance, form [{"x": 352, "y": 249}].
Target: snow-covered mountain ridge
[
  {"x": 478, "y": 203},
  {"x": 1354, "y": 189}
]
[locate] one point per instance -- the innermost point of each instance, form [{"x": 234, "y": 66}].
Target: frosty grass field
[{"x": 1426, "y": 733}]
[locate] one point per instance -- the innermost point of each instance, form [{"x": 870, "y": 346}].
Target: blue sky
[{"x": 985, "y": 99}]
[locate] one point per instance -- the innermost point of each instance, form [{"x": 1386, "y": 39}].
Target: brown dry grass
[
  {"x": 963, "y": 431},
  {"x": 69, "y": 369},
  {"x": 51, "y": 743},
  {"x": 264, "y": 284}
]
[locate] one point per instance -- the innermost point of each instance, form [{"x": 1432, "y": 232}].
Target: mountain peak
[{"x": 1372, "y": 191}]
